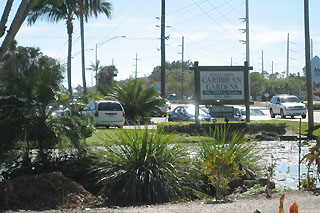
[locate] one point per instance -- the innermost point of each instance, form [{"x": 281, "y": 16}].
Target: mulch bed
[{"x": 44, "y": 192}]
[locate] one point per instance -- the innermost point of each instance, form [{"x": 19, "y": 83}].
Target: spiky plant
[{"x": 141, "y": 166}]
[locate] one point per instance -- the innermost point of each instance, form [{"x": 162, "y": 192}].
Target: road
[{"x": 262, "y": 106}]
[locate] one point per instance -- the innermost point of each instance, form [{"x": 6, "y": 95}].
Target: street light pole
[{"x": 99, "y": 45}]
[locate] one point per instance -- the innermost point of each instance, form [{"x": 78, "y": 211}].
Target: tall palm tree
[
  {"x": 59, "y": 10},
  {"x": 95, "y": 67},
  {"x": 55, "y": 11},
  {"x": 18, "y": 20},
  {"x": 86, "y": 10},
  {"x": 4, "y": 17}
]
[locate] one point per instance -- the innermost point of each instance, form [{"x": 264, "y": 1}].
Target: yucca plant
[
  {"x": 141, "y": 166},
  {"x": 223, "y": 155}
]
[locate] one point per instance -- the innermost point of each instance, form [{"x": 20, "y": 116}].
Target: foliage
[
  {"x": 174, "y": 77},
  {"x": 223, "y": 154},
  {"x": 251, "y": 128},
  {"x": 309, "y": 182},
  {"x": 27, "y": 90},
  {"x": 55, "y": 11},
  {"x": 137, "y": 100},
  {"x": 312, "y": 158},
  {"x": 72, "y": 163},
  {"x": 13, "y": 118},
  {"x": 142, "y": 166},
  {"x": 220, "y": 169}
]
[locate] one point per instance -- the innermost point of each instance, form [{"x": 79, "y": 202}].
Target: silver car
[{"x": 287, "y": 105}]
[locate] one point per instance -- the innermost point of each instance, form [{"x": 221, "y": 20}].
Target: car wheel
[
  {"x": 282, "y": 114},
  {"x": 272, "y": 114},
  {"x": 107, "y": 126},
  {"x": 303, "y": 116}
]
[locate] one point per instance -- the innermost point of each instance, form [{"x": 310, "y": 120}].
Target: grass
[
  {"x": 100, "y": 135},
  {"x": 295, "y": 126}
]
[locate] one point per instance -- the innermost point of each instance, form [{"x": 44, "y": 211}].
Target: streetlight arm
[{"x": 106, "y": 41}]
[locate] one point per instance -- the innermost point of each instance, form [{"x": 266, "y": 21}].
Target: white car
[
  {"x": 287, "y": 105},
  {"x": 256, "y": 114},
  {"x": 105, "y": 113}
]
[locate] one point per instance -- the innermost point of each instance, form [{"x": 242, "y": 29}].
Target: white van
[{"x": 105, "y": 113}]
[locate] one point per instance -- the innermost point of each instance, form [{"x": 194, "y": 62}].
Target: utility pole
[
  {"x": 262, "y": 63},
  {"x": 287, "y": 71},
  {"x": 311, "y": 50},
  {"x": 308, "y": 68},
  {"x": 247, "y": 63},
  {"x": 97, "y": 64},
  {"x": 272, "y": 68},
  {"x": 247, "y": 37},
  {"x": 136, "y": 71},
  {"x": 163, "y": 59},
  {"x": 182, "y": 66}
]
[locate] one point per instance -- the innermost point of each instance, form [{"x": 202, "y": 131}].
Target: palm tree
[
  {"x": 58, "y": 10},
  {"x": 55, "y": 11},
  {"x": 87, "y": 9},
  {"x": 4, "y": 17},
  {"x": 137, "y": 100},
  {"x": 18, "y": 20},
  {"x": 95, "y": 67}
]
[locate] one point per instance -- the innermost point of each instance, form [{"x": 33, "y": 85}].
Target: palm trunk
[
  {"x": 70, "y": 32},
  {"x": 4, "y": 17},
  {"x": 18, "y": 20},
  {"x": 82, "y": 49}
]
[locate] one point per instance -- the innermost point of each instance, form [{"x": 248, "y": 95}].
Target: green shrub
[
  {"x": 222, "y": 156},
  {"x": 143, "y": 166},
  {"x": 192, "y": 129}
]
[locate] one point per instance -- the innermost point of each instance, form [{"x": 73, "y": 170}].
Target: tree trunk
[
  {"x": 4, "y": 17},
  {"x": 70, "y": 32},
  {"x": 18, "y": 20},
  {"x": 82, "y": 49}
]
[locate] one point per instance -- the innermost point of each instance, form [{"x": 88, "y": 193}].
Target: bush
[
  {"x": 143, "y": 166},
  {"x": 192, "y": 129},
  {"x": 223, "y": 155}
]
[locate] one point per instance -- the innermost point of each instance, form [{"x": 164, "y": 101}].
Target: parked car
[
  {"x": 256, "y": 114},
  {"x": 287, "y": 105},
  {"x": 57, "y": 110},
  {"x": 187, "y": 113},
  {"x": 105, "y": 113}
]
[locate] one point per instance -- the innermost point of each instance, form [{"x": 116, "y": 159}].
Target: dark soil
[{"x": 44, "y": 192}]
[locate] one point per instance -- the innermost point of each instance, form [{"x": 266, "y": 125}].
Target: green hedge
[{"x": 192, "y": 129}]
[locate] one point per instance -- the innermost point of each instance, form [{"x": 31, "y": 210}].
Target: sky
[{"x": 212, "y": 33}]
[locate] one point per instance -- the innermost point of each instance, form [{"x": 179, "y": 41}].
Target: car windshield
[
  {"x": 191, "y": 110},
  {"x": 292, "y": 99},
  {"x": 253, "y": 112}
]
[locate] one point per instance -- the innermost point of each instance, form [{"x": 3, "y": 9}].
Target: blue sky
[{"x": 210, "y": 29}]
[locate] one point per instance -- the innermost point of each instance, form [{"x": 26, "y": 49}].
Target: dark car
[{"x": 187, "y": 113}]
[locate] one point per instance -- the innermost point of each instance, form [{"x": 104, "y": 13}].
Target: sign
[
  {"x": 221, "y": 85},
  {"x": 315, "y": 69},
  {"x": 222, "y": 112}
]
